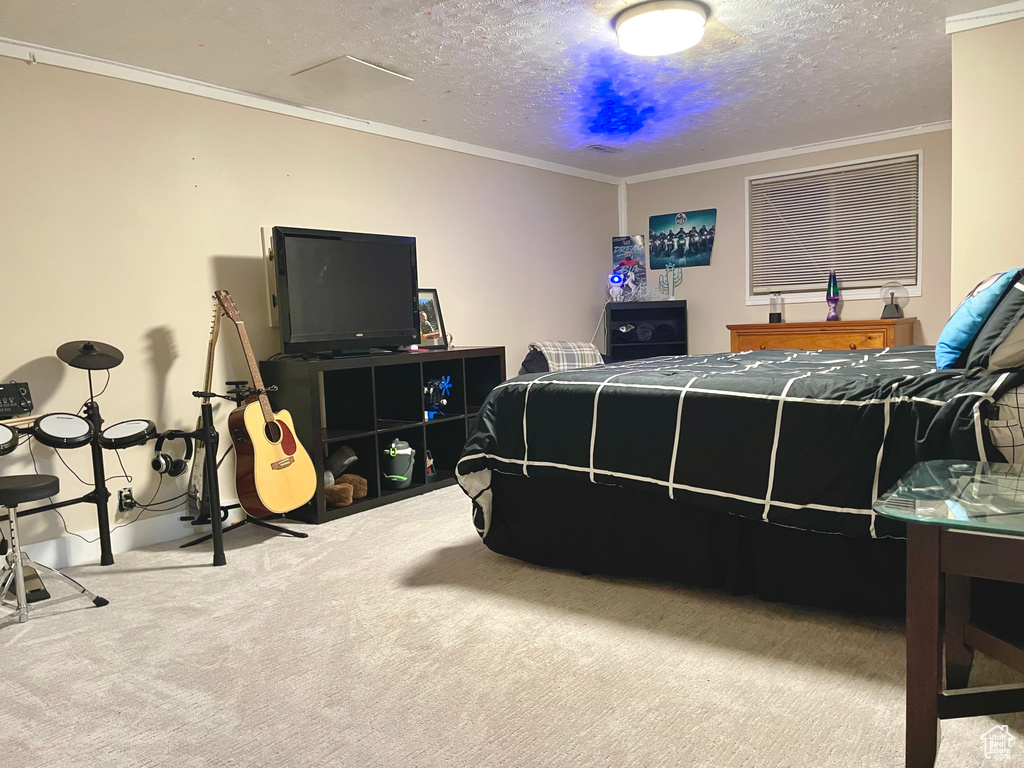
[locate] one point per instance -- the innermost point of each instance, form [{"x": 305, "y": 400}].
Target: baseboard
[{"x": 65, "y": 551}]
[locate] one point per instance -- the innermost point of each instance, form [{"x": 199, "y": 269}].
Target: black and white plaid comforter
[{"x": 801, "y": 439}]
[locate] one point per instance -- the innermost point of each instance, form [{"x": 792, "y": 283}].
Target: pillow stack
[
  {"x": 984, "y": 330},
  {"x": 1000, "y": 342}
]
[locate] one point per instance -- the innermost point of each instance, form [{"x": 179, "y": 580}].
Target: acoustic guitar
[
  {"x": 197, "y": 508},
  {"x": 273, "y": 472}
]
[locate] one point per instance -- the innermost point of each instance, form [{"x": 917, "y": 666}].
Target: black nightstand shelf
[
  {"x": 366, "y": 402},
  {"x": 638, "y": 329}
]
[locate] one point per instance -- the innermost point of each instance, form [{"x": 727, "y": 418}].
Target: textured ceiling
[{"x": 543, "y": 78}]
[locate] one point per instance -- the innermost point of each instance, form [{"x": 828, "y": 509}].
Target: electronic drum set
[
  {"x": 78, "y": 430},
  {"x": 68, "y": 431},
  {"x": 63, "y": 431}
]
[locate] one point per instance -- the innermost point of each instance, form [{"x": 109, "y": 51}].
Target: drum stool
[{"x": 15, "y": 489}]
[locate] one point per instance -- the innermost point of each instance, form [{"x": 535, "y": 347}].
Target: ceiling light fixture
[{"x": 660, "y": 27}]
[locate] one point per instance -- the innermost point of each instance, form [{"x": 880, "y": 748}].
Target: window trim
[{"x": 808, "y": 297}]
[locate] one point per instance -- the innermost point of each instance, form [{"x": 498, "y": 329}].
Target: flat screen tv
[{"x": 341, "y": 292}]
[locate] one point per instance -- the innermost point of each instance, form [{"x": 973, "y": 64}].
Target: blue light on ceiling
[
  {"x": 624, "y": 99},
  {"x": 617, "y": 115}
]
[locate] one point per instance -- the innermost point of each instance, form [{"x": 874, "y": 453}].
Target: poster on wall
[
  {"x": 628, "y": 261},
  {"x": 682, "y": 239}
]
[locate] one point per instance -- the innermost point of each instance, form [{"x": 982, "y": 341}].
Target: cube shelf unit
[
  {"x": 668, "y": 316},
  {"x": 365, "y": 402}
]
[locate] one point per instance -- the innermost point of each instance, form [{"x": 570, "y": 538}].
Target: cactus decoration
[{"x": 672, "y": 277}]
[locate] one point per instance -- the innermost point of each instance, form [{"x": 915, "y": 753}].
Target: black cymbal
[{"x": 91, "y": 355}]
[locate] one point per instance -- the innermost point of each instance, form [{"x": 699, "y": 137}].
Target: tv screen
[{"x": 345, "y": 291}]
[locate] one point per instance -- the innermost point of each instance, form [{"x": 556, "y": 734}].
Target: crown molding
[
  {"x": 984, "y": 18},
  {"x": 775, "y": 154},
  {"x": 36, "y": 54}
]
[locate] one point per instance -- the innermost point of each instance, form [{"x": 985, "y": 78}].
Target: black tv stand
[{"x": 366, "y": 402}]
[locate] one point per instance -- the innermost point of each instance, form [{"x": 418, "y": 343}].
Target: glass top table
[
  {"x": 970, "y": 495},
  {"x": 940, "y": 498}
]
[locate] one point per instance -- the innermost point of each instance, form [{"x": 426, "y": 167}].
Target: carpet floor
[{"x": 394, "y": 638}]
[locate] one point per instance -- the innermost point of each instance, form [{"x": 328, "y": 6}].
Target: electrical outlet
[{"x": 125, "y": 500}]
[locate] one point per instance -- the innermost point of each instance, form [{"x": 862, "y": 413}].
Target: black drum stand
[
  {"x": 91, "y": 356},
  {"x": 99, "y": 494}
]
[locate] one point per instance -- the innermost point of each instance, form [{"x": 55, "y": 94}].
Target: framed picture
[{"x": 432, "y": 333}]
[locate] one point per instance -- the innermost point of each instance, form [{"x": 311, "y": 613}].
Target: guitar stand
[
  {"x": 211, "y": 484},
  {"x": 207, "y": 432},
  {"x": 251, "y": 521}
]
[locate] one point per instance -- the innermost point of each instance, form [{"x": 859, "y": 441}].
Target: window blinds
[{"x": 860, "y": 220}]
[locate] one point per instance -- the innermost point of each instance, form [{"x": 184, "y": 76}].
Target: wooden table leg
[
  {"x": 959, "y": 655},
  {"x": 924, "y": 644}
]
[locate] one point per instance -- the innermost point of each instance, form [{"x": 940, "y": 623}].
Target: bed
[{"x": 754, "y": 471}]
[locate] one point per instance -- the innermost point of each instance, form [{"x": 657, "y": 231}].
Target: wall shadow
[
  {"x": 162, "y": 352},
  {"x": 244, "y": 278},
  {"x": 44, "y": 376}
]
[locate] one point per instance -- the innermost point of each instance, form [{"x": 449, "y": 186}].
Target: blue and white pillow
[{"x": 963, "y": 327}]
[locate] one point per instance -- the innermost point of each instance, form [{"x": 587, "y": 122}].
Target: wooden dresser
[{"x": 839, "y": 334}]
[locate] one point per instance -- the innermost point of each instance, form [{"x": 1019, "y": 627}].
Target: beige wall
[
  {"x": 988, "y": 153},
  {"x": 122, "y": 207},
  {"x": 716, "y": 293}
]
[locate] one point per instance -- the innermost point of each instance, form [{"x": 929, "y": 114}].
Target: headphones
[{"x": 163, "y": 463}]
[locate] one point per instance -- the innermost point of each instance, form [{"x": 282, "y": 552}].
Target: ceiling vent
[
  {"x": 604, "y": 148},
  {"x": 346, "y": 77}
]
